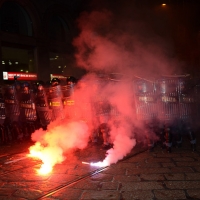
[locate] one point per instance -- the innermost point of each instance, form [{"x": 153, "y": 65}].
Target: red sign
[
  {"x": 59, "y": 76},
  {"x": 21, "y": 76}
]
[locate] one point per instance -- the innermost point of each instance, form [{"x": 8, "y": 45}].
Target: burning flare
[
  {"x": 47, "y": 155},
  {"x": 51, "y": 145},
  {"x": 97, "y": 164}
]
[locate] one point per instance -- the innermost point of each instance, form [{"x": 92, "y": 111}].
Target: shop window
[
  {"x": 14, "y": 19},
  {"x": 17, "y": 60}
]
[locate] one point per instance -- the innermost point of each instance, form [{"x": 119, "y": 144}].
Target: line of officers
[
  {"x": 26, "y": 107},
  {"x": 169, "y": 106}
]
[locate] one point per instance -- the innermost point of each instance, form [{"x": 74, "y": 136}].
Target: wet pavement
[{"x": 141, "y": 175}]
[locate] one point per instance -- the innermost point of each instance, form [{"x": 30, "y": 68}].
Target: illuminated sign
[
  {"x": 22, "y": 76},
  {"x": 59, "y": 76}
]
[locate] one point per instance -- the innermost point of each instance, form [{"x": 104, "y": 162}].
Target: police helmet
[
  {"x": 40, "y": 85},
  {"x": 25, "y": 84},
  {"x": 71, "y": 80},
  {"x": 55, "y": 81}
]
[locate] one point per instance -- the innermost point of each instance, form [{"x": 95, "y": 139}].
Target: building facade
[{"x": 36, "y": 36}]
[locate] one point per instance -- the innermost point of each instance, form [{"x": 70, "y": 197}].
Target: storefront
[{"x": 35, "y": 41}]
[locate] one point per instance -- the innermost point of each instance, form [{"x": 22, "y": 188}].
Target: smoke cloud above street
[{"x": 123, "y": 40}]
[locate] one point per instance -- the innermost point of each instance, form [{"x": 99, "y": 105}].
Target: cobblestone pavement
[{"x": 141, "y": 175}]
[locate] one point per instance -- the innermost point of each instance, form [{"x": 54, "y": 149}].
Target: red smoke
[{"x": 104, "y": 45}]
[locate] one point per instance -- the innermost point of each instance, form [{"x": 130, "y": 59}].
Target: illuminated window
[
  {"x": 57, "y": 62},
  {"x": 16, "y": 59}
]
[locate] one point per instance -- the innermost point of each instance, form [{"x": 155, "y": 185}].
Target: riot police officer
[
  {"x": 28, "y": 115},
  {"x": 42, "y": 106},
  {"x": 55, "y": 99},
  {"x": 12, "y": 107}
]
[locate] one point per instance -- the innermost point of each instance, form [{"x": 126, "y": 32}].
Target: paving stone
[
  {"x": 169, "y": 194},
  {"x": 100, "y": 195},
  {"x": 181, "y": 169},
  {"x": 125, "y": 178},
  {"x": 152, "y": 177},
  {"x": 192, "y": 176},
  {"x": 182, "y": 184},
  {"x": 148, "y": 185},
  {"x": 194, "y": 193},
  {"x": 138, "y": 157},
  {"x": 190, "y": 153},
  {"x": 149, "y": 165},
  {"x": 1, "y": 183},
  {"x": 102, "y": 177},
  {"x": 140, "y": 194},
  {"x": 67, "y": 194},
  {"x": 62, "y": 178},
  {"x": 78, "y": 172},
  {"x": 168, "y": 164},
  {"x": 110, "y": 186},
  {"x": 164, "y": 154},
  {"x": 11, "y": 198},
  {"x": 158, "y": 160},
  {"x": 197, "y": 168},
  {"x": 21, "y": 185},
  {"x": 158, "y": 170},
  {"x": 175, "y": 176},
  {"x": 189, "y": 164},
  {"x": 184, "y": 159},
  {"x": 114, "y": 171},
  {"x": 28, "y": 193},
  {"x": 16, "y": 176},
  {"x": 124, "y": 165},
  {"x": 86, "y": 185},
  {"x": 6, "y": 191}
]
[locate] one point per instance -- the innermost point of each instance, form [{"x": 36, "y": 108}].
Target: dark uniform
[
  {"x": 3, "y": 138},
  {"x": 42, "y": 105},
  {"x": 55, "y": 99},
  {"x": 12, "y": 107},
  {"x": 68, "y": 98},
  {"x": 28, "y": 115}
]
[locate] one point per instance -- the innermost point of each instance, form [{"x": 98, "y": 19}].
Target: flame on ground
[{"x": 49, "y": 157}]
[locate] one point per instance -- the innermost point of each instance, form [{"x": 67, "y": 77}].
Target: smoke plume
[{"x": 110, "y": 41}]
